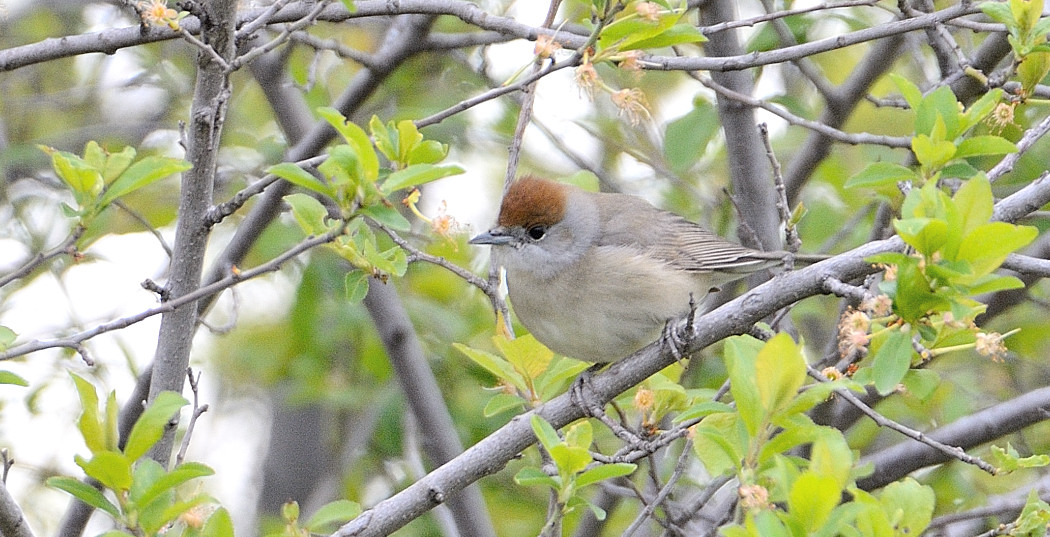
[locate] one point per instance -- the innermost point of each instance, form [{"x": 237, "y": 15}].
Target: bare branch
[{"x": 230, "y": 280}]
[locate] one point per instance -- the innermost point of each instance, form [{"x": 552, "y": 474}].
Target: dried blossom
[
  {"x": 587, "y": 79},
  {"x": 546, "y": 46},
  {"x": 631, "y": 101}
]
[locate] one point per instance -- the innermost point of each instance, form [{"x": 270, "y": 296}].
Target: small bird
[{"x": 596, "y": 276}]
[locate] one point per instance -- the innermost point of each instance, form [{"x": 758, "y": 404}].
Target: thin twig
[
  {"x": 75, "y": 340},
  {"x": 198, "y": 409},
  {"x": 897, "y": 142},
  {"x": 918, "y": 436},
  {"x": 665, "y": 491},
  {"x": 1031, "y": 136},
  {"x": 792, "y": 242},
  {"x": 67, "y": 247},
  {"x": 289, "y": 29}
]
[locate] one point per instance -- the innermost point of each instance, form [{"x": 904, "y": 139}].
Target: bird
[{"x": 597, "y": 276}]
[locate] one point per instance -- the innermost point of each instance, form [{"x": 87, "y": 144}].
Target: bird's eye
[{"x": 537, "y": 232}]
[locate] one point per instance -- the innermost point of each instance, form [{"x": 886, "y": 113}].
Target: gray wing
[
  {"x": 678, "y": 241},
  {"x": 697, "y": 249}
]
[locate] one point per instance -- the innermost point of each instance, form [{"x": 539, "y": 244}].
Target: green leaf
[
  {"x": 559, "y": 371},
  {"x": 309, "y": 213},
  {"x": 7, "y": 377},
  {"x": 297, "y": 176},
  {"x": 780, "y": 370},
  {"x": 85, "y": 181},
  {"x": 603, "y": 472},
  {"x": 892, "y": 361},
  {"x": 811, "y": 500},
  {"x": 174, "y": 511},
  {"x": 502, "y": 402},
  {"x": 356, "y": 285},
  {"x": 686, "y": 138},
  {"x": 428, "y": 152},
  {"x": 880, "y": 174},
  {"x": 740, "y": 353},
  {"x": 116, "y": 163},
  {"x": 90, "y": 422},
  {"x": 7, "y": 337},
  {"x": 85, "y": 493},
  {"x": 984, "y": 145},
  {"x": 981, "y": 108},
  {"x": 999, "y": 12},
  {"x": 152, "y": 423},
  {"x": 357, "y": 139},
  {"x": 500, "y": 368},
  {"x": 678, "y": 34},
  {"x": 932, "y": 153},
  {"x": 921, "y": 383},
  {"x": 526, "y": 354},
  {"x": 1034, "y": 517},
  {"x": 220, "y": 524},
  {"x": 110, "y": 468},
  {"x": 570, "y": 460},
  {"x": 408, "y": 138},
  {"x": 529, "y": 476},
  {"x": 986, "y": 247},
  {"x": 720, "y": 442},
  {"x": 388, "y": 216},
  {"x": 940, "y": 105},
  {"x": 544, "y": 432},
  {"x": 417, "y": 174},
  {"x": 384, "y": 143},
  {"x": 337, "y": 512},
  {"x": 831, "y": 456},
  {"x": 975, "y": 203},
  {"x": 1008, "y": 460},
  {"x": 911, "y": 93},
  {"x": 144, "y": 172},
  {"x": 926, "y": 235},
  {"x": 171, "y": 480},
  {"x": 993, "y": 283},
  {"x": 909, "y": 504}
]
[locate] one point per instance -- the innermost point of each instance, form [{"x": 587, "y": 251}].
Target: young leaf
[
  {"x": 219, "y": 524},
  {"x": 110, "y": 468},
  {"x": 300, "y": 177},
  {"x": 151, "y": 424},
  {"x": 356, "y": 285},
  {"x": 880, "y": 174},
  {"x": 892, "y": 360},
  {"x": 740, "y": 353},
  {"x": 544, "y": 432},
  {"x": 339, "y": 511},
  {"x": 144, "y": 172},
  {"x": 85, "y": 493},
  {"x": 417, "y": 174},
  {"x": 171, "y": 480},
  {"x": 383, "y": 141},
  {"x": 812, "y": 499},
  {"x": 984, "y": 145},
  {"x": 357, "y": 139},
  {"x": 603, "y": 472},
  {"x": 780, "y": 370},
  {"x": 529, "y": 475},
  {"x": 308, "y": 212},
  {"x": 7, "y": 337},
  {"x": 90, "y": 422},
  {"x": 7, "y": 377},
  {"x": 499, "y": 367}
]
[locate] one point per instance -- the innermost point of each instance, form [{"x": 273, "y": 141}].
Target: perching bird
[{"x": 596, "y": 276}]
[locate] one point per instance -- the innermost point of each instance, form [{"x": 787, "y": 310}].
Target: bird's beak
[{"x": 495, "y": 236}]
